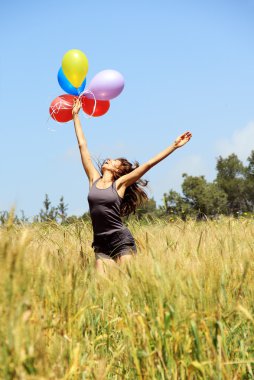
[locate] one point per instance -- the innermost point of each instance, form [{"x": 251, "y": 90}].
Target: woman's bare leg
[
  {"x": 125, "y": 259},
  {"x": 103, "y": 263}
]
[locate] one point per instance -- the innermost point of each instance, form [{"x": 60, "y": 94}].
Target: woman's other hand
[
  {"x": 182, "y": 140},
  {"x": 76, "y": 107}
]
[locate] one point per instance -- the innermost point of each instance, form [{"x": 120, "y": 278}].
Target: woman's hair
[{"x": 134, "y": 194}]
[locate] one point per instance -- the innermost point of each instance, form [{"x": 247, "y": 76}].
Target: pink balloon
[{"x": 106, "y": 85}]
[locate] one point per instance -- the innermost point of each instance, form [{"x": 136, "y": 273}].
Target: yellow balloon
[{"x": 75, "y": 66}]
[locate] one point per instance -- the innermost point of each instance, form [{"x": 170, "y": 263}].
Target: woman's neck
[{"x": 107, "y": 177}]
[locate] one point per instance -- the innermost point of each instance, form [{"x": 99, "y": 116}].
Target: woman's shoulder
[{"x": 93, "y": 182}]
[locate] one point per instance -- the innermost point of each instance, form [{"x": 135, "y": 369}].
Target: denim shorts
[{"x": 116, "y": 244}]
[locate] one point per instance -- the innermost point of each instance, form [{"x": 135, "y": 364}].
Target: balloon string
[
  {"x": 50, "y": 129},
  {"x": 63, "y": 104},
  {"x": 60, "y": 105},
  {"x": 94, "y": 107}
]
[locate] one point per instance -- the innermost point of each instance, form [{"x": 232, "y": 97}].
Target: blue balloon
[{"x": 67, "y": 86}]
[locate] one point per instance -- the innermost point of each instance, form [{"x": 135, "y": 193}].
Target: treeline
[
  {"x": 47, "y": 213},
  {"x": 231, "y": 193}
]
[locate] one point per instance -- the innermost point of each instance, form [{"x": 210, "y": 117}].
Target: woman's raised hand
[
  {"x": 76, "y": 107},
  {"x": 182, "y": 140}
]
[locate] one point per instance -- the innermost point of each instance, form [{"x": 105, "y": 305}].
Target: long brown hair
[{"x": 134, "y": 194}]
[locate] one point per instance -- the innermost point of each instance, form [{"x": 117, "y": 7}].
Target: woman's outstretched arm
[
  {"x": 130, "y": 178},
  {"x": 90, "y": 170}
]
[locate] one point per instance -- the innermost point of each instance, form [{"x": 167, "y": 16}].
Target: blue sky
[{"x": 188, "y": 65}]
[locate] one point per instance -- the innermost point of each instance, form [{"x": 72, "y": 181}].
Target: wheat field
[{"x": 183, "y": 308}]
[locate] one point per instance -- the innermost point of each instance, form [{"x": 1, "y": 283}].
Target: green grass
[{"x": 183, "y": 309}]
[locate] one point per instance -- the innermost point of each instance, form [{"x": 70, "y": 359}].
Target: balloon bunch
[{"x": 106, "y": 85}]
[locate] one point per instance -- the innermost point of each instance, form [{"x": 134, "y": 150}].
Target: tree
[
  {"x": 48, "y": 213},
  {"x": 231, "y": 176},
  {"x": 174, "y": 203},
  {"x": 203, "y": 197},
  {"x": 4, "y": 216},
  {"x": 8, "y": 217},
  {"x": 250, "y": 181},
  {"x": 86, "y": 216},
  {"x": 71, "y": 219},
  {"x": 23, "y": 218},
  {"x": 250, "y": 168},
  {"x": 148, "y": 207},
  {"x": 62, "y": 210}
]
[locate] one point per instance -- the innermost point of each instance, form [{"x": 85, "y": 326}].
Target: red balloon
[
  {"x": 61, "y": 108},
  {"x": 101, "y": 107}
]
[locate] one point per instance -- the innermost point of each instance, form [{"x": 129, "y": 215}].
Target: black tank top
[{"x": 104, "y": 205}]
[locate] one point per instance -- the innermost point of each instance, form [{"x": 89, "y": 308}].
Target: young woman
[{"x": 115, "y": 192}]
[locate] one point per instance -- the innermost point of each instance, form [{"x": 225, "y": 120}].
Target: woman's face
[{"x": 110, "y": 164}]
